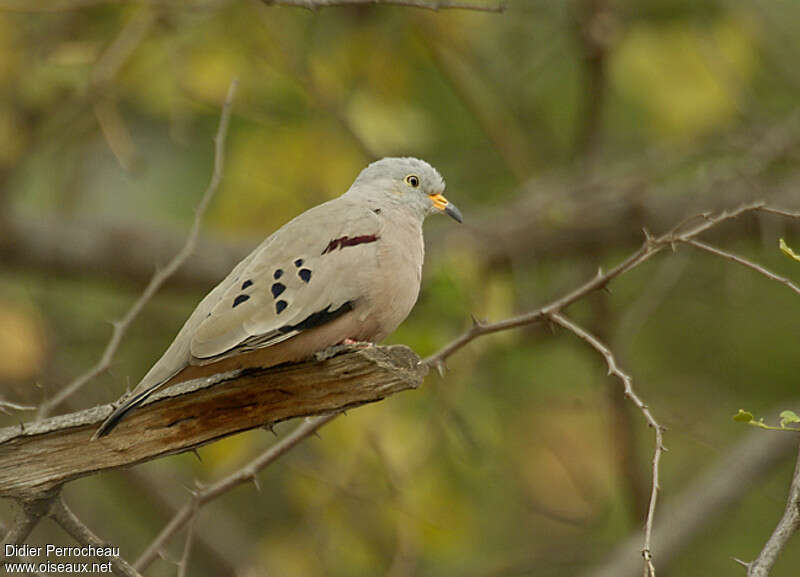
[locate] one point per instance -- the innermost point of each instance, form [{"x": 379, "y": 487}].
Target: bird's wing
[{"x": 307, "y": 273}]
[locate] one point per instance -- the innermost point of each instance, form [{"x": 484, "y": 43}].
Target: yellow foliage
[
  {"x": 223, "y": 456},
  {"x": 22, "y": 341},
  {"x": 273, "y": 175},
  {"x": 287, "y": 555},
  {"x": 12, "y": 137},
  {"x": 207, "y": 69},
  {"x": 390, "y": 127},
  {"x": 9, "y": 52},
  {"x": 565, "y": 459},
  {"x": 688, "y": 79}
]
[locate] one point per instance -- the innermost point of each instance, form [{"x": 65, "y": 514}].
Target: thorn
[
  {"x": 317, "y": 435},
  {"x": 476, "y": 321},
  {"x": 647, "y": 236},
  {"x": 599, "y": 272},
  {"x": 441, "y": 368},
  {"x": 344, "y": 412},
  {"x": 740, "y": 562},
  {"x": 672, "y": 245},
  {"x": 607, "y": 289},
  {"x": 254, "y": 478},
  {"x": 197, "y": 454},
  {"x": 269, "y": 427}
]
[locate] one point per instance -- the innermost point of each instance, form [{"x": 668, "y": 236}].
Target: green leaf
[
  {"x": 743, "y": 416},
  {"x": 789, "y": 417},
  {"x": 788, "y": 252}
]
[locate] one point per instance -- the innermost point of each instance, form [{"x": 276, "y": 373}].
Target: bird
[{"x": 347, "y": 270}]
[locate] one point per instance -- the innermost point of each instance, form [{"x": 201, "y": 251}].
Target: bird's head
[{"x": 409, "y": 183}]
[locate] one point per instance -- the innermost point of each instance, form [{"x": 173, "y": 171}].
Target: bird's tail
[{"x": 119, "y": 413}]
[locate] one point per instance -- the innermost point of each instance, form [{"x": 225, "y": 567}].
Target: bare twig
[
  {"x": 133, "y": 32},
  {"x": 113, "y": 58},
  {"x": 121, "y": 326},
  {"x": 243, "y": 475},
  {"x": 743, "y": 261},
  {"x": 649, "y": 248},
  {"x": 614, "y": 370},
  {"x": 424, "y": 4},
  {"x": 714, "y": 493},
  {"x": 781, "y": 211},
  {"x": 183, "y": 565},
  {"x": 7, "y": 406},
  {"x": 788, "y": 525},
  {"x": 28, "y": 516},
  {"x": 83, "y": 535}
]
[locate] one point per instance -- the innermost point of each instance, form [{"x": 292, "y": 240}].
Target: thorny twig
[
  {"x": 7, "y": 406},
  {"x": 649, "y": 248},
  {"x": 243, "y": 475},
  {"x": 614, "y": 370},
  {"x": 743, "y": 261},
  {"x": 681, "y": 233},
  {"x": 83, "y": 535},
  {"x": 787, "y": 526},
  {"x": 121, "y": 326}
]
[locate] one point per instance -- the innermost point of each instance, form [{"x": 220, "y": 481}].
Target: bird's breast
[{"x": 392, "y": 289}]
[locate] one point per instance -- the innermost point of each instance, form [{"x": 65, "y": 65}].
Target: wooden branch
[
  {"x": 38, "y": 457},
  {"x": 788, "y": 525}
]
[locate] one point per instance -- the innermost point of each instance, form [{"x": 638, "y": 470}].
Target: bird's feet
[
  {"x": 356, "y": 344},
  {"x": 343, "y": 347}
]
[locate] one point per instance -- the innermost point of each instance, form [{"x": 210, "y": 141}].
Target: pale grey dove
[{"x": 347, "y": 269}]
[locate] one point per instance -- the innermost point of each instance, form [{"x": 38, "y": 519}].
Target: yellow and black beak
[{"x": 450, "y": 209}]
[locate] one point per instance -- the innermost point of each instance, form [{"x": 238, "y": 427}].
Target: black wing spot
[
  {"x": 298, "y": 263},
  {"x": 376, "y": 210},
  {"x": 239, "y": 300},
  {"x": 246, "y": 284},
  {"x": 277, "y": 274},
  {"x": 277, "y": 289},
  {"x": 318, "y": 318},
  {"x": 280, "y": 306},
  {"x": 305, "y": 274}
]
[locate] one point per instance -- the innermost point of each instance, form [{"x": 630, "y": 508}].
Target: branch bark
[
  {"x": 788, "y": 525},
  {"x": 38, "y": 457},
  {"x": 701, "y": 504}
]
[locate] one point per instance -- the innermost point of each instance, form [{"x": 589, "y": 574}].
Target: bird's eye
[{"x": 412, "y": 180}]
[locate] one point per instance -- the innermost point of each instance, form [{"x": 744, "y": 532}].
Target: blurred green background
[{"x": 563, "y": 127}]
